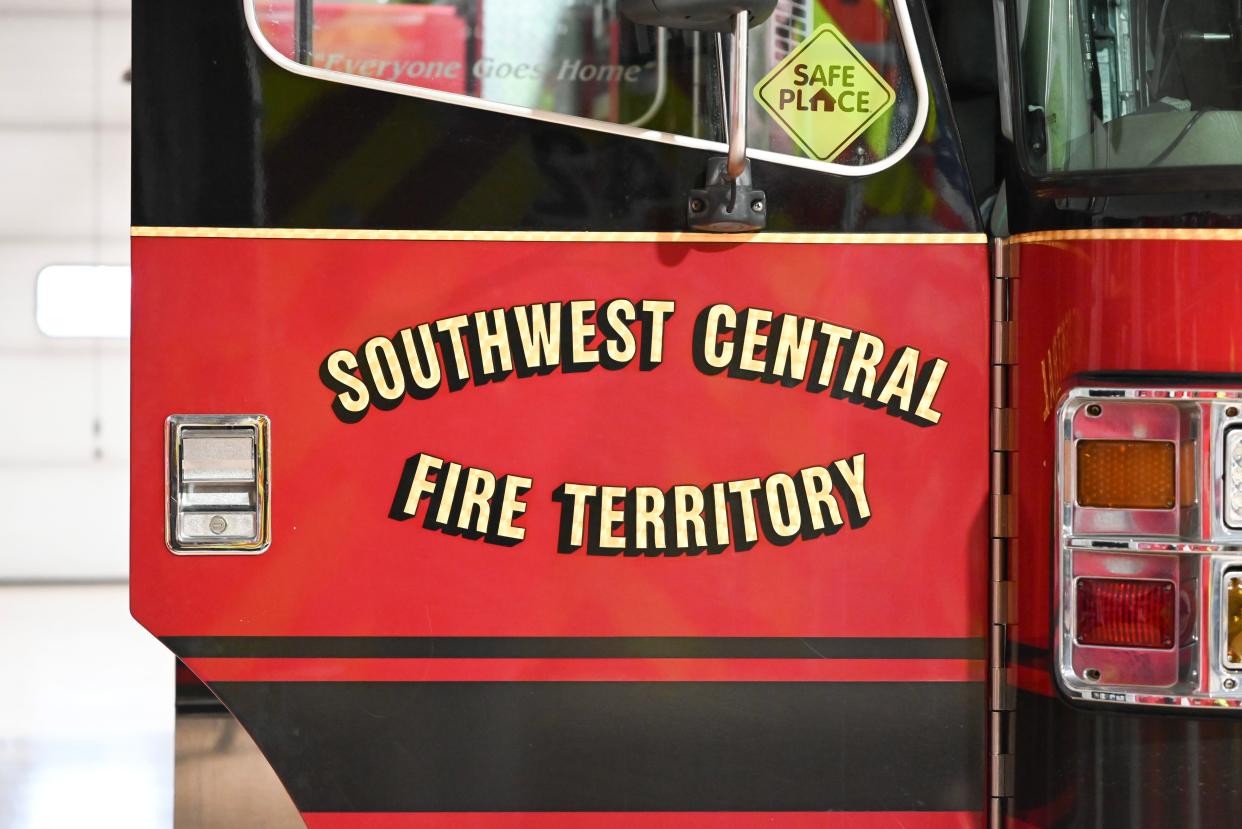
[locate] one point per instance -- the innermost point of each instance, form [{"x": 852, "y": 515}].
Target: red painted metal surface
[
  {"x": 243, "y": 325},
  {"x": 655, "y": 820},
  {"x": 1163, "y": 304},
  {"x": 586, "y": 670}
]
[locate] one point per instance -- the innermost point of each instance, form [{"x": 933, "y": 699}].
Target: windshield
[{"x": 1124, "y": 84}]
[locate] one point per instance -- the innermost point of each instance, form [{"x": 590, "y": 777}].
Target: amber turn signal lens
[
  {"x": 1125, "y": 613},
  {"x": 1126, "y": 474},
  {"x": 1233, "y": 621}
]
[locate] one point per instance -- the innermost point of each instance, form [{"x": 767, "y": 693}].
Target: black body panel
[
  {"x": 1088, "y": 768},
  {"x": 618, "y": 746}
]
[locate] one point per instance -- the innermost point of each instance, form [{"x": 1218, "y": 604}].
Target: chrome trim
[
  {"x": 722, "y": 82},
  {"x": 1172, "y": 671},
  {"x": 173, "y": 428},
  {"x": 1200, "y": 552},
  {"x": 736, "y": 163},
  {"x": 905, "y": 28}
]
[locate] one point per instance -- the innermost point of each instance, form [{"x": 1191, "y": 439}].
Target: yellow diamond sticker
[{"x": 824, "y": 94}]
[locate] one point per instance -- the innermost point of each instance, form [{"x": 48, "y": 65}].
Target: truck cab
[{"x": 568, "y": 412}]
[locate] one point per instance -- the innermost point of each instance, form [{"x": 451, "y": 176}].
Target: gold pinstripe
[
  {"x": 562, "y": 236},
  {"x": 1130, "y": 233}
]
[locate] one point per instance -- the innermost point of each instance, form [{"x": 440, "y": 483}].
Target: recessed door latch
[{"x": 219, "y": 484}]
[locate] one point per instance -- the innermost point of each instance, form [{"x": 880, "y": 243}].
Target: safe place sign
[{"x": 824, "y": 94}]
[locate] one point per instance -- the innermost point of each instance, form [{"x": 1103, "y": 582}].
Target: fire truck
[{"x": 692, "y": 412}]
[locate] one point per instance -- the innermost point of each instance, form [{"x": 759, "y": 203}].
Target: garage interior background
[{"x": 86, "y": 709}]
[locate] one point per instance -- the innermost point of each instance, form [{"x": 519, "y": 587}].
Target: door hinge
[
  {"x": 1004, "y": 288},
  {"x": 1004, "y": 429},
  {"x": 1002, "y": 603},
  {"x": 1004, "y": 515},
  {"x": 1002, "y": 776},
  {"x": 1002, "y": 699},
  {"x": 1003, "y": 345}
]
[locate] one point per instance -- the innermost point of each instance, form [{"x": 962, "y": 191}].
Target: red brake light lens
[{"x": 1126, "y": 613}]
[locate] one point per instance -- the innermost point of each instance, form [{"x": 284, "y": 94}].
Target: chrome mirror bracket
[{"x": 728, "y": 203}]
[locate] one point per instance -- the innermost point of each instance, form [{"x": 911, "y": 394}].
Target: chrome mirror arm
[{"x": 736, "y": 117}]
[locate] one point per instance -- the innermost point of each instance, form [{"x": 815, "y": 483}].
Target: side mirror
[{"x": 695, "y": 15}]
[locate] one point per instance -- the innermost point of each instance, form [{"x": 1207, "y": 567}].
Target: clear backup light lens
[
  {"x": 1233, "y": 479},
  {"x": 1233, "y": 621}
]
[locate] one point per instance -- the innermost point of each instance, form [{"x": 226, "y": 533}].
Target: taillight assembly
[
  {"x": 1231, "y": 483},
  {"x": 1149, "y": 488}
]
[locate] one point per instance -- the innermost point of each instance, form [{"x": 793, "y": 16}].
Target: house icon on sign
[{"x": 821, "y": 100}]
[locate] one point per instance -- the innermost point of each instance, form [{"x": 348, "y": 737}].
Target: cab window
[
  {"x": 1130, "y": 84},
  {"x": 582, "y": 58}
]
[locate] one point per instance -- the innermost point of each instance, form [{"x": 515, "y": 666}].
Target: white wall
[{"x": 64, "y": 198}]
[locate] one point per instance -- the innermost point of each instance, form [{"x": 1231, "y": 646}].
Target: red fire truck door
[{"x": 579, "y": 523}]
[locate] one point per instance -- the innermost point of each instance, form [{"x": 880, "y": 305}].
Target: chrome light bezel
[{"x": 1197, "y": 538}]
